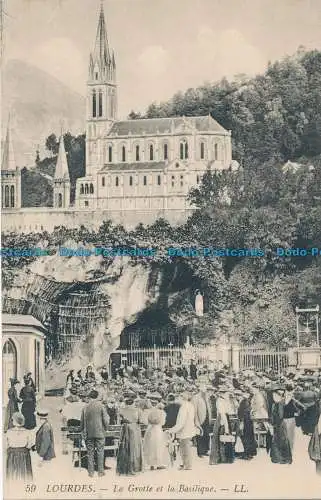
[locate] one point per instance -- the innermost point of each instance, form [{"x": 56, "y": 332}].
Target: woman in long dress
[
  {"x": 19, "y": 442},
  {"x": 247, "y": 428},
  {"x": 130, "y": 451},
  {"x": 12, "y": 406},
  {"x": 155, "y": 450},
  {"x": 28, "y": 397},
  {"x": 315, "y": 444},
  {"x": 291, "y": 410},
  {"x": 280, "y": 452}
]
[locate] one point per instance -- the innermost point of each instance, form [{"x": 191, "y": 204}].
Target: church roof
[
  {"x": 62, "y": 171},
  {"x": 148, "y": 165},
  {"x": 155, "y": 126},
  {"x": 8, "y": 160}
]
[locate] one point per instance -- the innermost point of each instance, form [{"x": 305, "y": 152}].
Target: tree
[{"x": 52, "y": 144}]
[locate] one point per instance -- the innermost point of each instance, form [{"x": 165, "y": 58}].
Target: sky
[{"x": 161, "y": 46}]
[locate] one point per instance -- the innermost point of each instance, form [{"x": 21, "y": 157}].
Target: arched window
[
  {"x": 181, "y": 151},
  {"x": 130, "y": 180},
  {"x": 81, "y": 189},
  {"x": 6, "y": 196},
  {"x": 9, "y": 363},
  {"x": 137, "y": 153},
  {"x": 123, "y": 153},
  {"x": 158, "y": 180},
  {"x": 86, "y": 189},
  {"x": 151, "y": 152},
  {"x": 215, "y": 152},
  {"x": 182, "y": 180},
  {"x": 202, "y": 152},
  {"x": 100, "y": 104},
  {"x": 165, "y": 151},
  {"x": 198, "y": 179},
  {"x": 173, "y": 180},
  {"x": 145, "y": 180},
  {"x": 91, "y": 189},
  {"x": 103, "y": 181},
  {"x": 117, "y": 181},
  {"x": 110, "y": 154},
  {"x": 94, "y": 104},
  {"x": 59, "y": 200},
  {"x": 12, "y": 201}
]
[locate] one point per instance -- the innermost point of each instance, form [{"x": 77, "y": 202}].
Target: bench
[{"x": 79, "y": 449}]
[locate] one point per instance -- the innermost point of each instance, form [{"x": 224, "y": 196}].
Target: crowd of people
[
  {"x": 26, "y": 430},
  {"x": 220, "y": 413}
]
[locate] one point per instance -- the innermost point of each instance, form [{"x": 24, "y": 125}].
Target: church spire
[
  {"x": 62, "y": 171},
  {"x": 101, "y": 59},
  {"x": 8, "y": 160}
]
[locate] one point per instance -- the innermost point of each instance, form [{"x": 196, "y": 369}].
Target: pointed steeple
[
  {"x": 62, "y": 171},
  {"x": 8, "y": 160},
  {"x": 101, "y": 53}
]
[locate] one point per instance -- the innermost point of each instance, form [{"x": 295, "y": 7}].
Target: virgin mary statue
[{"x": 199, "y": 306}]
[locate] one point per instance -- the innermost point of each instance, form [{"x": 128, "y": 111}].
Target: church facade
[{"x": 136, "y": 170}]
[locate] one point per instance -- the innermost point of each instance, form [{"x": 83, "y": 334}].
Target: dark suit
[
  {"x": 171, "y": 411},
  {"x": 45, "y": 442},
  {"x": 203, "y": 417},
  {"x": 94, "y": 423}
]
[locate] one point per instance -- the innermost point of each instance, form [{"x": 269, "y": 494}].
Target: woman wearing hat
[
  {"x": 155, "y": 449},
  {"x": 28, "y": 397},
  {"x": 18, "y": 467},
  {"x": 130, "y": 452},
  {"x": 12, "y": 406},
  {"x": 280, "y": 452}
]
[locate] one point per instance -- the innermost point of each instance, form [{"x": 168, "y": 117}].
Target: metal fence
[
  {"x": 260, "y": 360},
  {"x": 160, "y": 357}
]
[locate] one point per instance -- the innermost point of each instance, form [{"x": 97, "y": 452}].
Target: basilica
[{"x": 136, "y": 170}]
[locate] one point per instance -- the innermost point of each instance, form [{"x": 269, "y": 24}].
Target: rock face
[{"x": 130, "y": 289}]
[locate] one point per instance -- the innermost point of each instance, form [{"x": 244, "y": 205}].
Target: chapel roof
[{"x": 154, "y": 126}]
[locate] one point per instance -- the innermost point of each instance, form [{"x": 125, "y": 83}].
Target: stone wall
[{"x": 39, "y": 219}]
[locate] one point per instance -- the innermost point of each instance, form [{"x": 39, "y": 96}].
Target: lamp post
[{"x": 314, "y": 312}]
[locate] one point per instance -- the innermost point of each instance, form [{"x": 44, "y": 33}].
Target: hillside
[
  {"x": 275, "y": 115},
  {"x": 39, "y": 104}
]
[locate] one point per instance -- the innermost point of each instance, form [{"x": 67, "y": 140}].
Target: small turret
[{"x": 62, "y": 179}]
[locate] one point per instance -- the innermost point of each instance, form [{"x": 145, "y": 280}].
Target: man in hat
[
  {"x": 185, "y": 429},
  {"x": 202, "y": 420},
  {"x": 94, "y": 424},
  {"x": 45, "y": 445}
]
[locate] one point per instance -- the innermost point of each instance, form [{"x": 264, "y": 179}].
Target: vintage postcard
[{"x": 161, "y": 249}]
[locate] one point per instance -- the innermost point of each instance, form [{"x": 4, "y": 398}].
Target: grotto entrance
[
  {"x": 154, "y": 339},
  {"x": 153, "y": 328}
]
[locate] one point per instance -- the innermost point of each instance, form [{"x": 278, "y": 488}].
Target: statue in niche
[{"x": 199, "y": 305}]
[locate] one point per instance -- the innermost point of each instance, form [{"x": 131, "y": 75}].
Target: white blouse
[{"x": 18, "y": 437}]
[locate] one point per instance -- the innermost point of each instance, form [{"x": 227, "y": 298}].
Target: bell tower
[{"x": 101, "y": 97}]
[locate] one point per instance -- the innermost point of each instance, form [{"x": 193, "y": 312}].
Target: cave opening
[{"x": 153, "y": 328}]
